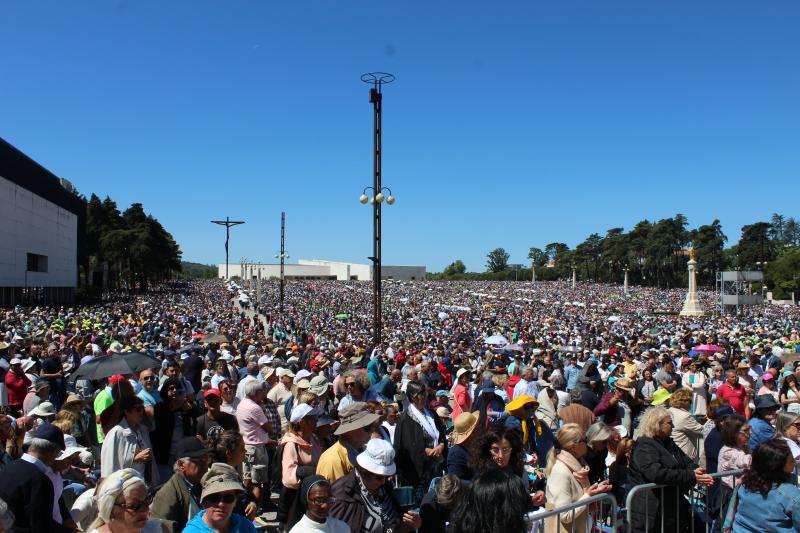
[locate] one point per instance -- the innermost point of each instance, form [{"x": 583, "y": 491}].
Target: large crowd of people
[{"x": 201, "y": 407}]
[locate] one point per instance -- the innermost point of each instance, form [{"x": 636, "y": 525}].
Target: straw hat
[{"x": 463, "y": 426}]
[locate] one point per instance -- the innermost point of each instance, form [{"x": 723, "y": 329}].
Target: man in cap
[
  {"x": 214, "y": 420},
  {"x": 37, "y": 393},
  {"x": 619, "y": 406},
  {"x": 27, "y": 488},
  {"x": 280, "y": 393},
  {"x": 178, "y": 500},
  {"x": 354, "y": 431}
]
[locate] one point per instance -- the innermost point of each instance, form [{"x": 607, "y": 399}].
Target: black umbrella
[{"x": 111, "y": 365}]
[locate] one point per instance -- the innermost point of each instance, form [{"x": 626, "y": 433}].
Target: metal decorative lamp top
[{"x": 377, "y": 78}]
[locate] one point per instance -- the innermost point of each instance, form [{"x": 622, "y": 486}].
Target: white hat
[
  {"x": 378, "y": 458},
  {"x": 16, "y": 361},
  {"x": 302, "y": 410},
  {"x": 301, "y": 374},
  {"x": 69, "y": 451},
  {"x": 226, "y": 356},
  {"x": 27, "y": 364},
  {"x": 265, "y": 360},
  {"x": 285, "y": 372},
  {"x": 622, "y": 431},
  {"x": 43, "y": 409},
  {"x": 461, "y": 372}
]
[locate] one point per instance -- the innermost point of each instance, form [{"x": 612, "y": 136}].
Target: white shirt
[
  {"x": 331, "y": 525},
  {"x": 240, "y": 388}
]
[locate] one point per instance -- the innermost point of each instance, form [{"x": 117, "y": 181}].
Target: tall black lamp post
[{"x": 377, "y": 80}]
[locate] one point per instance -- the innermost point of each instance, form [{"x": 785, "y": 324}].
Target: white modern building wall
[
  {"x": 323, "y": 269},
  {"x": 30, "y": 224}
]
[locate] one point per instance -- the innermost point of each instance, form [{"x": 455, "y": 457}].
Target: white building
[
  {"x": 41, "y": 224},
  {"x": 323, "y": 269}
]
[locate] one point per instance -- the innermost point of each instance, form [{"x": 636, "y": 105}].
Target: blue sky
[{"x": 512, "y": 123}]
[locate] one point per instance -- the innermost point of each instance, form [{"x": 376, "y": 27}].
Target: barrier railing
[
  {"x": 600, "y": 515},
  {"x": 699, "y": 500}
]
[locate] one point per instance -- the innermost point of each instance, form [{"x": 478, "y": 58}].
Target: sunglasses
[
  {"x": 138, "y": 506},
  {"x": 214, "y": 499}
]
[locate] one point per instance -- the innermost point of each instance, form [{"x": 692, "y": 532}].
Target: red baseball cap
[{"x": 212, "y": 392}]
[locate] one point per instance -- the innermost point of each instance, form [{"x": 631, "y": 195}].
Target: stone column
[{"x": 691, "y": 306}]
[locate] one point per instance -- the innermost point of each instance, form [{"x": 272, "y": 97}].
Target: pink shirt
[
  {"x": 462, "y": 401},
  {"x": 251, "y": 417}
]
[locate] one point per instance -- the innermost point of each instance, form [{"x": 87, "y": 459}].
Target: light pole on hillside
[
  {"x": 283, "y": 255},
  {"x": 377, "y": 80}
]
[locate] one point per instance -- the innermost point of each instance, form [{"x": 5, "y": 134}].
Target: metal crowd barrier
[
  {"x": 604, "y": 518},
  {"x": 697, "y": 499}
]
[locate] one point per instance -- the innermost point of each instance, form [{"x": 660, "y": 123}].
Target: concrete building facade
[
  {"x": 41, "y": 226},
  {"x": 323, "y": 269}
]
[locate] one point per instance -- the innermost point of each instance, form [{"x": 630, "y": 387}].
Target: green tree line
[
  {"x": 136, "y": 248},
  {"x": 654, "y": 254}
]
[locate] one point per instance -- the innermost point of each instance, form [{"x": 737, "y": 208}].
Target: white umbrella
[{"x": 497, "y": 340}]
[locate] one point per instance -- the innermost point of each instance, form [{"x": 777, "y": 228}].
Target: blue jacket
[
  {"x": 239, "y": 524},
  {"x": 762, "y": 432},
  {"x": 779, "y": 512}
]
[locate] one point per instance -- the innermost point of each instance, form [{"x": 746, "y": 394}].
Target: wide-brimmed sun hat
[
  {"x": 660, "y": 396},
  {"x": 463, "y": 426},
  {"x": 44, "y": 409},
  {"x": 378, "y": 458},
  {"x": 355, "y": 416}
]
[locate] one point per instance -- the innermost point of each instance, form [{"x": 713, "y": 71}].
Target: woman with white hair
[
  {"x": 123, "y": 505},
  {"x": 657, "y": 459}
]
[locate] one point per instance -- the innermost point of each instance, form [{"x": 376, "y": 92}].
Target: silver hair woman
[
  {"x": 123, "y": 505},
  {"x": 657, "y": 459},
  {"x": 787, "y": 427}
]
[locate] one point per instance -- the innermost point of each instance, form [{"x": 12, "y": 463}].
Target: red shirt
[
  {"x": 736, "y": 396},
  {"x": 17, "y": 388}
]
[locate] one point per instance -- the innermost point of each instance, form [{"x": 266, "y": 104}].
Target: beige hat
[
  {"x": 463, "y": 426},
  {"x": 355, "y": 416},
  {"x": 624, "y": 384},
  {"x": 43, "y": 409},
  {"x": 220, "y": 477}
]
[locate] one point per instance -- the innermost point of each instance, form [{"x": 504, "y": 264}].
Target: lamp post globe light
[{"x": 377, "y": 80}]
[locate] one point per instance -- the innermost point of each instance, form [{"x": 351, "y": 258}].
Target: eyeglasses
[
  {"x": 350, "y": 384},
  {"x": 322, "y": 501},
  {"x": 796, "y": 424},
  {"x": 747, "y": 430},
  {"x": 214, "y": 499},
  {"x": 138, "y": 506},
  {"x": 148, "y": 378}
]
